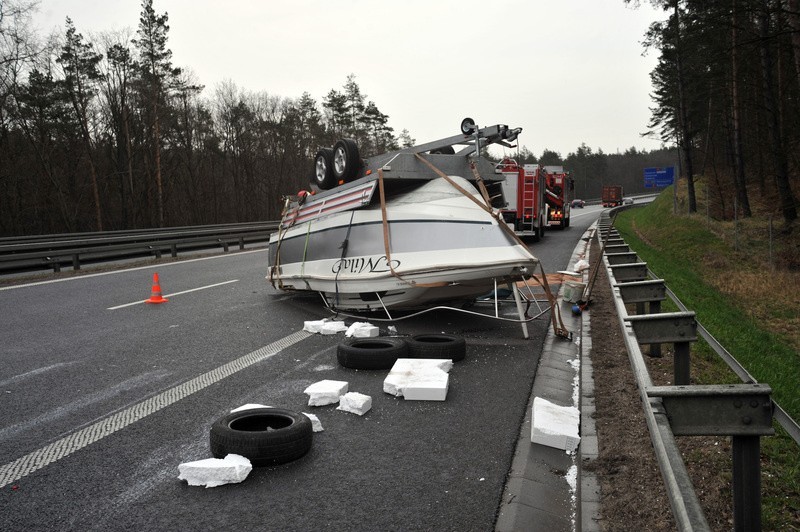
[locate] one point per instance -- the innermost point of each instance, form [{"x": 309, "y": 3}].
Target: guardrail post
[
  {"x": 241, "y": 243},
  {"x": 612, "y": 248},
  {"x": 742, "y": 411},
  {"x": 174, "y": 250},
  {"x": 651, "y": 292},
  {"x": 746, "y": 483},
  {"x": 76, "y": 263},
  {"x": 679, "y": 328},
  {"x": 624, "y": 273},
  {"x": 622, "y": 258}
]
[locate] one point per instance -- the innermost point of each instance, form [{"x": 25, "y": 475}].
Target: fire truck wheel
[
  {"x": 437, "y": 346},
  {"x": 371, "y": 353},
  {"x": 265, "y": 436},
  {"x": 346, "y": 160},
  {"x": 323, "y": 169}
]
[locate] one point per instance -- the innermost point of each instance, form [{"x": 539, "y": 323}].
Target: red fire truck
[
  {"x": 523, "y": 188},
  {"x": 559, "y": 187}
]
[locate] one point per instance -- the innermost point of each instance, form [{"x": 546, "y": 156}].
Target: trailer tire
[
  {"x": 265, "y": 436},
  {"x": 323, "y": 169},
  {"x": 346, "y": 160},
  {"x": 438, "y": 346},
  {"x": 447, "y": 150},
  {"x": 371, "y": 353}
]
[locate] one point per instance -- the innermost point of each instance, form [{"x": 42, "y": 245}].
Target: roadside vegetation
[{"x": 742, "y": 284}]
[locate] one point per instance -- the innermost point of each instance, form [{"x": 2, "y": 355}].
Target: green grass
[{"x": 687, "y": 255}]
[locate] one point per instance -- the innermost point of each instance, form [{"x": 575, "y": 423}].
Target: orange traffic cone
[{"x": 155, "y": 294}]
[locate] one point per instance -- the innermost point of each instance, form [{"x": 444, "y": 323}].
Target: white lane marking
[
  {"x": 175, "y": 294},
  {"x": 13, "y": 471},
  {"x": 33, "y": 373},
  {"x": 149, "y": 267}
]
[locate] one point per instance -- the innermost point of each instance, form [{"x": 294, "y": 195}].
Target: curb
[{"x": 538, "y": 494}]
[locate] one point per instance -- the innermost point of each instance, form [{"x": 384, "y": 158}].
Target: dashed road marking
[{"x": 13, "y": 471}]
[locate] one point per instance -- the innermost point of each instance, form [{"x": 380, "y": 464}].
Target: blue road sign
[{"x": 659, "y": 177}]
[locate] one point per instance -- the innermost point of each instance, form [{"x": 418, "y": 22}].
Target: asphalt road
[{"x": 102, "y": 397}]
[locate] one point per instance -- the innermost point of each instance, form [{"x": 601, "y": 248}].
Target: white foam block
[
  {"x": 362, "y": 329},
  {"x": 316, "y": 424},
  {"x": 421, "y": 379},
  {"x": 555, "y": 426},
  {"x": 249, "y": 406},
  {"x": 355, "y": 402},
  {"x": 325, "y": 392},
  {"x": 427, "y": 388},
  {"x": 314, "y": 326},
  {"x": 333, "y": 327},
  {"x": 213, "y": 472}
]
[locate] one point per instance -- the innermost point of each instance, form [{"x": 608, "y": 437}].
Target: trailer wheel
[
  {"x": 346, "y": 160},
  {"x": 447, "y": 150},
  {"x": 265, "y": 436},
  {"x": 468, "y": 126},
  {"x": 438, "y": 346},
  {"x": 371, "y": 353},
  {"x": 323, "y": 169}
]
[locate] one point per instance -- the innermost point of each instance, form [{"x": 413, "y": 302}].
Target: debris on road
[
  {"x": 325, "y": 392},
  {"x": 316, "y": 424},
  {"x": 555, "y": 426},
  {"x": 362, "y": 329},
  {"x": 356, "y": 403},
  {"x": 213, "y": 472},
  {"x": 419, "y": 379}
]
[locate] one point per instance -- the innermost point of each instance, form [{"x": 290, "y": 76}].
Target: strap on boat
[
  {"x": 481, "y": 184},
  {"x": 281, "y": 232},
  {"x": 555, "y": 312},
  {"x": 485, "y": 206},
  {"x": 386, "y": 241}
]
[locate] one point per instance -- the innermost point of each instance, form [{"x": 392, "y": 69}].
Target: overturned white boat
[{"x": 403, "y": 230}]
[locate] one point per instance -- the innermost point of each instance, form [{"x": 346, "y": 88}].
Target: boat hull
[{"x": 437, "y": 246}]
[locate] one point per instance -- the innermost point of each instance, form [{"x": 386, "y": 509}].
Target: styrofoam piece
[
  {"x": 213, "y": 472},
  {"x": 249, "y": 406},
  {"x": 355, "y": 402},
  {"x": 581, "y": 265},
  {"x": 427, "y": 388},
  {"x": 316, "y": 424},
  {"x": 361, "y": 329},
  {"x": 314, "y": 326},
  {"x": 555, "y": 426},
  {"x": 325, "y": 392},
  {"x": 333, "y": 327},
  {"x": 423, "y": 377}
]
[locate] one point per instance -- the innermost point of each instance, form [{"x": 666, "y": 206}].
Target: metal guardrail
[
  {"x": 45, "y": 252},
  {"x": 745, "y": 411}
]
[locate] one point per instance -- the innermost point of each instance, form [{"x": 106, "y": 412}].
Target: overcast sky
[{"x": 566, "y": 71}]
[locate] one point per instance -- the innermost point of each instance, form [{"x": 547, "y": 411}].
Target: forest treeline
[
  {"x": 108, "y": 133},
  {"x": 727, "y": 92}
]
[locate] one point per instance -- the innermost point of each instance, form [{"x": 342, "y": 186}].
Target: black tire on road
[
  {"x": 265, "y": 436},
  {"x": 438, "y": 346},
  {"x": 323, "y": 169},
  {"x": 371, "y": 353},
  {"x": 346, "y": 160}
]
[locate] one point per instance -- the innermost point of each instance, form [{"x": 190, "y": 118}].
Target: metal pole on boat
[
  {"x": 513, "y": 287},
  {"x": 496, "y": 311}
]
